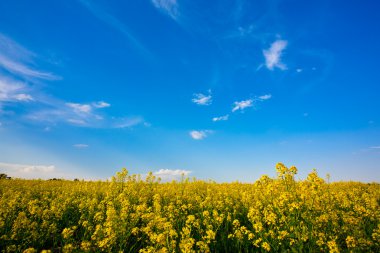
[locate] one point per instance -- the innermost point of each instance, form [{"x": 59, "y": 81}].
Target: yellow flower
[{"x": 265, "y": 246}]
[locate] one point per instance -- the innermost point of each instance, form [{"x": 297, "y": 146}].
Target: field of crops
[{"x": 134, "y": 215}]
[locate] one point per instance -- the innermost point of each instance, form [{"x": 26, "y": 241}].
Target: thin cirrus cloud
[
  {"x": 202, "y": 99},
  {"x": 23, "y": 97},
  {"x": 83, "y": 115},
  {"x": 221, "y": 118},
  {"x": 273, "y": 55},
  {"x": 80, "y": 146},
  {"x": 101, "y": 104},
  {"x": 169, "y": 7},
  {"x": 13, "y": 91},
  {"x": 17, "y": 60},
  {"x": 129, "y": 122},
  {"x": 17, "y": 68},
  {"x": 16, "y": 64},
  {"x": 80, "y": 108},
  {"x": 89, "y": 115},
  {"x": 115, "y": 23},
  {"x": 199, "y": 134},
  {"x": 265, "y": 97}
]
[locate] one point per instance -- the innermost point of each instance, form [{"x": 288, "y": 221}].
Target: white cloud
[
  {"x": 80, "y": 108},
  {"x": 80, "y": 146},
  {"x": 169, "y": 175},
  {"x": 265, "y": 97},
  {"x": 23, "y": 97},
  {"x": 167, "y": 172},
  {"x": 17, "y": 63},
  {"x": 13, "y": 91},
  {"x": 78, "y": 114},
  {"x": 101, "y": 104},
  {"x": 249, "y": 102},
  {"x": 221, "y": 118},
  {"x": 9, "y": 89},
  {"x": 242, "y": 105},
  {"x": 375, "y": 147},
  {"x": 199, "y": 135},
  {"x": 201, "y": 99},
  {"x": 26, "y": 170},
  {"x": 273, "y": 55},
  {"x": 299, "y": 70},
  {"x": 169, "y": 7}
]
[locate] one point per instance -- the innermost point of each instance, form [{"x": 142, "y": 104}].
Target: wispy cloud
[
  {"x": 54, "y": 111},
  {"x": 199, "y": 135},
  {"x": 16, "y": 64},
  {"x": 17, "y": 60},
  {"x": 375, "y": 147},
  {"x": 82, "y": 115},
  {"x": 265, "y": 97},
  {"x": 242, "y": 105},
  {"x": 128, "y": 122},
  {"x": 169, "y": 7},
  {"x": 45, "y": 108},
  {"x": 78, "y": 114},
  {"x": 221, "y": 118},
  {"x": 101, "y": 104},
  {"x": 23, "y": 97},
  {"x": 273, "y": 55},
  {"x": 80, "y": 108},
  {"x": 79, "y": 122},
  {"x": 11, "y": 90},
  {"x": 24, "y": 70},
  {"x": 111, "y": 20},
  {"x": 81, "y": 146},
  {"x": 202, "y": 99}
]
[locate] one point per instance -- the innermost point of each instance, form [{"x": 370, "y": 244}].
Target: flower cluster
[{"x": 130, "y": 214}]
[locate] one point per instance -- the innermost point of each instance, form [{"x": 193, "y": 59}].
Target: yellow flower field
[{"x": 129, "y": 214}]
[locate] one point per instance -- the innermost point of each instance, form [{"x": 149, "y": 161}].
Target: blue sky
[{"x": 218, "y": 90}]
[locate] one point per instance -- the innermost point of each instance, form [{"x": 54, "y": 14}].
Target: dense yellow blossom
[{"x": 129, "y": 214}]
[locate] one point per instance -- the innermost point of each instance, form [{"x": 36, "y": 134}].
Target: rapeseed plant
[{"x": 131, "y": 214}]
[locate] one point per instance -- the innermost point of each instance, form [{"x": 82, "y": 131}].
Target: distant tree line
[{"x": 4, "y": 176}]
